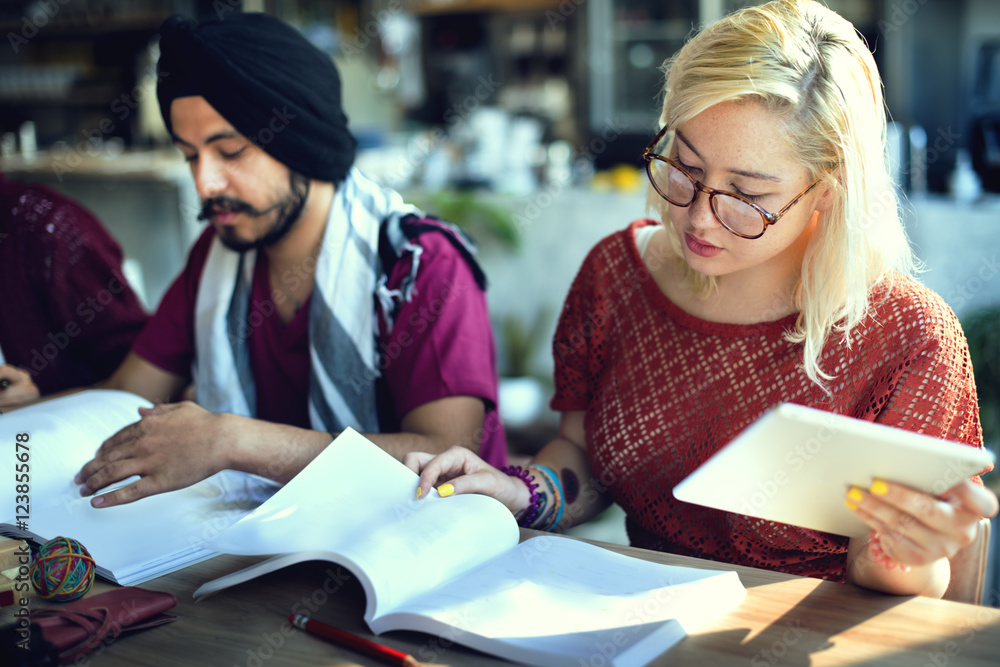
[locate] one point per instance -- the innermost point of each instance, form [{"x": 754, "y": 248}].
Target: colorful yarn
[{"x": 63, "y": 570}]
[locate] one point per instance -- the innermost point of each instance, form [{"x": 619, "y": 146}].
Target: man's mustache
[{"x": 220, "y": 205}]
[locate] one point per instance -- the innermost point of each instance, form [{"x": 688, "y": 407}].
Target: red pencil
[{"x": 344, "y": 638}]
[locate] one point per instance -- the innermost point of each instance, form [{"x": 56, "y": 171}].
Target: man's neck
[{"x": 297, "y": 251}]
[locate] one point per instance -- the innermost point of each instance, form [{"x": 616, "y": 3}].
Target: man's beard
[{"x": 286, "y": 210}]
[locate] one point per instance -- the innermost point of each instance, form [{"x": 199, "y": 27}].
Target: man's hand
[
  {"x": 16, "y": 386},
  {"x": 172, "y": 446}
]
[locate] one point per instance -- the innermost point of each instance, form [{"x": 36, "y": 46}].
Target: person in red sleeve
[{"x": 70, "y": 317}]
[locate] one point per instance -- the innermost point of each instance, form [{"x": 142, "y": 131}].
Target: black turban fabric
[{"x": 268, "y": 81}]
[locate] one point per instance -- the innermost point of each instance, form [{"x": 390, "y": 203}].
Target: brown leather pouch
[{"x": 81, "y": 626}]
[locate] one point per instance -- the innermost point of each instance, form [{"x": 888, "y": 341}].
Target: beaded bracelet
[
  {"x": 531, "y": 513},
  {"x": 558, "y": 502}
]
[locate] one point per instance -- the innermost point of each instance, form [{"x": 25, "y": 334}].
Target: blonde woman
[{"x": 781, "y": 272}]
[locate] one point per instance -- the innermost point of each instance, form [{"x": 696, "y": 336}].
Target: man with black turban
[{"x": 315, "y": 300}]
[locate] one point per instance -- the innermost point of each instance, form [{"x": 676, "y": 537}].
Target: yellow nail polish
[
  {"x": 446, "y": 490},
  {"x": 879, "y": 488},
  {"x": 851, "y": 506},
  {"x": 855, "y": 494},
  {"x": 420, "y": 492}
]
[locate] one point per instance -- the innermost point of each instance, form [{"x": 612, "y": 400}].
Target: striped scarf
[{"x": 342, "y": 326}]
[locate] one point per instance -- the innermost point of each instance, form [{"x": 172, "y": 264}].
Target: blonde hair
[{"x": 810, "y": 67}]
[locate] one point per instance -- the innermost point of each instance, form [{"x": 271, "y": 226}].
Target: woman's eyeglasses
[{"x": 735, "y": 212}]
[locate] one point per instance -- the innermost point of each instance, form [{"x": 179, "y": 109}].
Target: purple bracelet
[{"x": 532, "y": 512}]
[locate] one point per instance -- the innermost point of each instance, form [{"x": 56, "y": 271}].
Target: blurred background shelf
[{"x": 429, "y": 7}]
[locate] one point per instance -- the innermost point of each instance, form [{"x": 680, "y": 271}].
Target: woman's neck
[{"x": 761, "y": 293}]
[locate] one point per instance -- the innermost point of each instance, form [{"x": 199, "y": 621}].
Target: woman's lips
[{"x": 701, "y": 249}]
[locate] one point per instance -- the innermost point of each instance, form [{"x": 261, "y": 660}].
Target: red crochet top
[
  {"x": 69, "y": 317},
  {"x": 664, "y": 390}
]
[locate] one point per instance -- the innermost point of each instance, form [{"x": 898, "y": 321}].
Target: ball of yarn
[{"x": 63, "y": 570}]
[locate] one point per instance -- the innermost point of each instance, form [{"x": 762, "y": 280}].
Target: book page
[
  {"x": 138, "y": 541},
  {"x": 557, "y": 601},
  {"x": 129, "y": 543},
  {"x": 359, "y": 503},
  {"x": 63, "y": 434}
]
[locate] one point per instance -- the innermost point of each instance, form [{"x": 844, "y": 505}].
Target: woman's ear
[{"x": 829, "y": 191}]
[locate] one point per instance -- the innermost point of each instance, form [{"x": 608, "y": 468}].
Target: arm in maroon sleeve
[
  {"x": 178, "y": 444},
  {"x": 441, "y": 344}
]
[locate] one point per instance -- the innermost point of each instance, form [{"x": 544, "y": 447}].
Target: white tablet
[{"x": 795, "y": 464}]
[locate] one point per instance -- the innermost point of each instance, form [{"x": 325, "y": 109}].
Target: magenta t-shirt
[{"x": 441, "y": 343}]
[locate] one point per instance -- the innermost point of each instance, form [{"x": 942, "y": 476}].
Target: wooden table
[{"x": 784, "y": 620}]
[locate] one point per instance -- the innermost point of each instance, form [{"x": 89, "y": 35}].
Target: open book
[
  {"x": 130, "y": 543},
  {"x": 453, "y": 567}
]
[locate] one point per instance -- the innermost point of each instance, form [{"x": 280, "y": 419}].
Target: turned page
[{"x": 356, "y": 505}]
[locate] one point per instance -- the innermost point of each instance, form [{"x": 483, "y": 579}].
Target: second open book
[{"x": 453, "y": 567}]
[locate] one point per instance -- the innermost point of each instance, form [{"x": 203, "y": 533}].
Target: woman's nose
[{"x": 700, "y": 211}]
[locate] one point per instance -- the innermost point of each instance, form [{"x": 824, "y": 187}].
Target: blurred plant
[
  {"x": 479, "y": 218},
  {"x": 982, "y": 329},
  {"x": 521, "y": 340}
]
